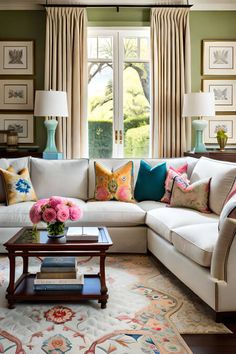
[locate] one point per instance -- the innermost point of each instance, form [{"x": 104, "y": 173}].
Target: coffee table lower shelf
[{"x": 24, "y": 291}]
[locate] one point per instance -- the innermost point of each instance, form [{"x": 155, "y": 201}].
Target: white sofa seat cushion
[
  {"x": 147, "y": 205},
  {"x": 65, "y": 178},
  {"x": 223, "y": 176},
  {"x": 17, "y": 215},
  {"x": 164, "y": 220},
  {"x": 196, "y": 242},
  {"x": 113, "y": 213}
]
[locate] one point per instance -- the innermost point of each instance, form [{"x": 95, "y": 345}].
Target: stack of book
[
  {"x": 83, "y": 234},
  {"x": 59, "y": 273}
]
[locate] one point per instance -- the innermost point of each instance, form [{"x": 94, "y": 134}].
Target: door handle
[
  {"x": 121, "y": 136},
  {"x": 116, "y": 136}
]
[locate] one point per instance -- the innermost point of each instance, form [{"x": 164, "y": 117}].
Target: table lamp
[
  {"x": 199, "y": 104},
  {"x": 51, "y": 104}
]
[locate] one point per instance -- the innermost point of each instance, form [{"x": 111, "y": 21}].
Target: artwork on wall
[
  {"x": 227, "y": 121},
  {"x": 16, "y": 58},
  {"x": 219, "y": 57},
  {"x": 16, "y": 94},
  {"x": 23, "y": 124},
  {"x": 224, "y": 92}
]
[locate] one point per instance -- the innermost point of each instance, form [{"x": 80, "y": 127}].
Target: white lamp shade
[
  {"x": 199, "y": 104},
  {"x": 50, "y": 103}
]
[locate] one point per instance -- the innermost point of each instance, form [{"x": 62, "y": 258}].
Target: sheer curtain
[
  {"x": 66, "y": 70},
  {"x": 171, "y": 77}
]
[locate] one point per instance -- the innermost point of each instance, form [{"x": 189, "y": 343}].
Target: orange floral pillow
[{"x": 114, "y": 185}]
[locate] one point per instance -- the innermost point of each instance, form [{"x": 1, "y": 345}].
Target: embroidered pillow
[
  {"x": 193, "y": 196},
  {"x": 18, "y": 187},
  {"x": 171, "y": 174},
  {"x": 114, "y": 185},
  {"x": 150, "y": 184}
]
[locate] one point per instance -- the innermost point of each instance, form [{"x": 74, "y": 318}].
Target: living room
[{"x": 118, "y": 166}]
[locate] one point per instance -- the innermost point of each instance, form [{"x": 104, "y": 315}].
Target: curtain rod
[{"x": 117, "y": 6}]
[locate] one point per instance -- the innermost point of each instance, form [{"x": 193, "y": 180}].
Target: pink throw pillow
[
  {"x": 194, "y": 196},
  {"x": 171, "y": 175}
]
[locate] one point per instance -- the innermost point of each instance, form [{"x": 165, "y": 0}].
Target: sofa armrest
[{"x": 222, "y": 249}]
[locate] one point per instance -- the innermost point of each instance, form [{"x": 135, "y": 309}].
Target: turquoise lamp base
[
  {"x": 50, "y": 152},
  {"x": 199, "y": 126}
]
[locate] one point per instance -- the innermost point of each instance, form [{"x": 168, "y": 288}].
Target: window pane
[
  {"x": 100, "y": 110},
  {"x": 144, "y": 48},
  {"x": 136, "y": 109},
  {"x": 131, "y": 48},
  {"x": 105, "y": 48},
  {"x": 92, "y": 48}
]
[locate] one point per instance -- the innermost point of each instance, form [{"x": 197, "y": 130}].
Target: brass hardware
[
  {"x": 121, "y": 136},
  {"x": 116, "y": 136}
]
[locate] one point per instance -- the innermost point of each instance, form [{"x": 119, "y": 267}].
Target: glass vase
[
  {"x": 56, "y": 229},
  {"x": 222, "y": 141}
]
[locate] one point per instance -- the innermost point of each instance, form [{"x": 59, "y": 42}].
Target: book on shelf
[
  {"x": 59, "y": 264},
  {"x": 58, "y": 287},
  {"x": 67, "y": 280},
  {"x": 82, "y": 234}
]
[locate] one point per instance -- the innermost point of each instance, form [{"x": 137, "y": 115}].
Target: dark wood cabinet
[
  {"x": 227, "y": 155},
  {"x": 19, "y": 153}
]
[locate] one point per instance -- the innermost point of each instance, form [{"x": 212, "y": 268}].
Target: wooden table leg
[
  {"x": 25, "y": 264},
  {"x": 11, "y": 286},
  {"x": 103, "y": 280}
]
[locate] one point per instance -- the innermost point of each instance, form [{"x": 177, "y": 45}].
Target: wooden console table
[{"x": 227, "y": 155}]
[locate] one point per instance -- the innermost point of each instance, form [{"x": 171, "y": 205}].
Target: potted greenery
[{"x": 221, "y": 136}]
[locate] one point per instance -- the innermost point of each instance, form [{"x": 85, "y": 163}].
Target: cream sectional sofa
[{"x": 196, "y": 247}]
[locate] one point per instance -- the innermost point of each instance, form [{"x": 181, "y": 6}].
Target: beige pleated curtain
[
  {"x": 171, "y": 77},
  {"x": 66, "y": 70}
]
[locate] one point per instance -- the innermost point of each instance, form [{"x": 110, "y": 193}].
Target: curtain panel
[
  {"x": 66, "y": 70},
  {"x": 171, "y": 77}
]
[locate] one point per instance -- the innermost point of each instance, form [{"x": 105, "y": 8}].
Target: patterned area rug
[{"x": 146, "y": 311}]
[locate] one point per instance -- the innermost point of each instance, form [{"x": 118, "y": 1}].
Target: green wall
[
  {"x": 31, "y": 25},
  {"x": 28, "y": 25}
]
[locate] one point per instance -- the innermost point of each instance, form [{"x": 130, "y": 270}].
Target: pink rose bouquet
[{"x": 54, "y": 211}]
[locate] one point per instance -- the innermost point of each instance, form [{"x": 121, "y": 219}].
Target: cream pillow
[{"x": 222, "y": 174}]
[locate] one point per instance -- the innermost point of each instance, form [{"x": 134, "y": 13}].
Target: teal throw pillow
[{"x": 150, "y": 183}]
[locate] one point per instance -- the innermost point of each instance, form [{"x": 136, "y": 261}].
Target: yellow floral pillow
[
  {"x": 18, "y": 187},
  {"x": 114, "y": 185}
]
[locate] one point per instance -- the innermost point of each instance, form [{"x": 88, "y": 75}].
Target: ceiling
[{"x": 217, "y": 5}]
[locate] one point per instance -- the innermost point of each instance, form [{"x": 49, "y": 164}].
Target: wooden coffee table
[{"x": 24, "y": 245}]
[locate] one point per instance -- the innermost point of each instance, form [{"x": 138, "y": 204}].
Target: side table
[{"x": 227, "y": 155}]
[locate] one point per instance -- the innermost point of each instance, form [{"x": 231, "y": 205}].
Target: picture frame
[
  {"x": 22, "y": 123},
  {"x": 219, "y": 57},
  {"x": 228, "y": 121},
  {"x": 16, "y": 94},
  {"x": 16, "y": 58},
  {"x": 224, "y": 92}
]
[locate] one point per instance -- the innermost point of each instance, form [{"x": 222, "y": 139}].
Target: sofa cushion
[
  {"x": 65, "y": 178},
  {"x": 150, "y": 184},
  {"x": 113, "y": 164},
  {"x": 114, "y": 184},
  {"x": 113, "y": 213},
  {"x": 164, "y": 220},
  {"x": 196, "y": 242},
  {"x": 17, "y": 215},
  {"x": 147, "y": 205},
  {"x": 18, "y": 165},
  {"x": 18, "y": 186},
  {"x": 223, "y": 177},
  {"x": 194, "y": 196}
]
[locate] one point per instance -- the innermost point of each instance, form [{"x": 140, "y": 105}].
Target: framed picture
[
  {"x": 16, "y": 94},
  {"x": 219, "y": 57},
  {"x": 23, "y": 124},
  {"x": 224, "y": 92},
  {"x": 229, "y": 122},
  {"x": 16, "y": 58}
]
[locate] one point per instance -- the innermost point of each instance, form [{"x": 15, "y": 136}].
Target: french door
[{"x": 118, "y": 92}]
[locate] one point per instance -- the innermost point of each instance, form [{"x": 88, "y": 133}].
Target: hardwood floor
[{"x": 213, "y": 343}]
